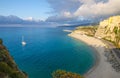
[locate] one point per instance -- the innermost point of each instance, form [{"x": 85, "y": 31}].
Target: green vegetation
[
  {"x": 110, "y": 30},
  {"x": 64, "y": 74},
  {"x": 88, "y": 30},
  {"x": 8, "y": 68},
  {"x": 117, "y": 36}
]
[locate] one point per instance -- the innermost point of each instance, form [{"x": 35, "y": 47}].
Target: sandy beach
[{"x": 102, "y": 68}]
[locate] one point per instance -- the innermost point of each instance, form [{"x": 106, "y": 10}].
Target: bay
[{"x": 47, "y": 50}]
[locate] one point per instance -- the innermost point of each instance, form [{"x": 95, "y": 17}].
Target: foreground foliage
[
  {"x": 8, "y": 68},
  {"x": 65, "y": 74}
]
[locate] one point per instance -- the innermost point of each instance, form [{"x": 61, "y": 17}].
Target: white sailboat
[{"x": 23, "y": 42}]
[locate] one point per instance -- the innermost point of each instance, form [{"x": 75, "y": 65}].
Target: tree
[{"x": 65, "y": 74}]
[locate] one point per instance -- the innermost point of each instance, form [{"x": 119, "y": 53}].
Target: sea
[{"x": 47, "y": 49}]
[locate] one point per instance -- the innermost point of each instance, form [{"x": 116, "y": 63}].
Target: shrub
[
  {"x": 16, "y": 74},
  {"x": 64, "y": 74},
  {"x": 5, "y": 68},
  {"x": 2, "y": 75}
]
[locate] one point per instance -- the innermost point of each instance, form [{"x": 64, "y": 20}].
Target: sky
[
  {"x": 61, "y": 11},
  {"x": 25, "y": 8}
]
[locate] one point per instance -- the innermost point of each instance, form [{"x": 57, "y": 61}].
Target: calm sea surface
[{"x": 47, "y": 49}]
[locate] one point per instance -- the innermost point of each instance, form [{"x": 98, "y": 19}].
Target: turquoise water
[{"x": 47, "y": 49}]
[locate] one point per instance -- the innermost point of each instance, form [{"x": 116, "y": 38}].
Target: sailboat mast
[{"x": 23, "y": 42}]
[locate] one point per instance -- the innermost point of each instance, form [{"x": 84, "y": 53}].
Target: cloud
[
  {"x": 60, "y": 6},
  {"x": 91, "y": 9},
  {"x": 63, "y": 10},
  {"x": 29, "y": 19},
  {"x": 82, "y": 10},
  {"x": 66, "y": 12}
]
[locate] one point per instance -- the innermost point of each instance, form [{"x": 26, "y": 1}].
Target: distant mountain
[
  {"x": 14, "y": 20},
  {"x": 11, "y": 19}
]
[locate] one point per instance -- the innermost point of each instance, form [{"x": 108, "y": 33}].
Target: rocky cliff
[
  {"x": 109, "y": 29},
  {"x": 8, "y": 68}
]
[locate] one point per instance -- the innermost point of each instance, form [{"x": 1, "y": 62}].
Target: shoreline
[
  {"x": 101, "y": 68},
  {"x": 97, "y": 55},
  {"x": 97, "y": 61}
]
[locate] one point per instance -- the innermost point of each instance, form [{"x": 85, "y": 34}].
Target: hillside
[
  {"x": 86, "y": 30},
  {"x": 109, "y": 29},
  {"x": 8, "y": 68}
]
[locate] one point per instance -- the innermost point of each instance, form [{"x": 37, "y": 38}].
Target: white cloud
[
  {"x": 60, "y": 6},
  {"x": 29, "y": 18},
  {"x": 82, "y": 10},
  {"x": 91, "y": 9},
  {"x": 67, "y": 14}
]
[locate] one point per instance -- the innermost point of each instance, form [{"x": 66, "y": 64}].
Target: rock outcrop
[
  {"x": 8, "y": 68},
  {"x": 109, "y": 29}
]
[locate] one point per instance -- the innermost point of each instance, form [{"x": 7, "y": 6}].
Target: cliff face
[
  {"x": 109, "y": 29},
  {"x": 8, "y": 68}
]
